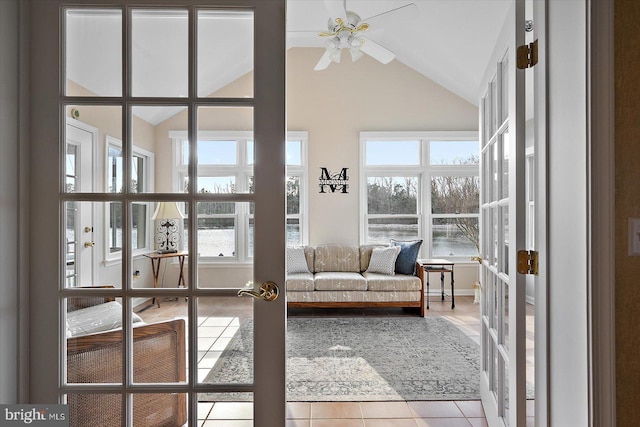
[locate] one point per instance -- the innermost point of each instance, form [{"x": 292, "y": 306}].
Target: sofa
[
  {"x": 334, "y": 275},
  {"x": 94, "y": 355}
]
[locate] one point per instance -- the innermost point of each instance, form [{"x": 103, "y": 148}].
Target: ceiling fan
[{"x": 346, "y": 28}]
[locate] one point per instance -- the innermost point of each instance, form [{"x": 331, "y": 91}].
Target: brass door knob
[
  {"x": 477, "y": 258},
  {"x": 89, "y": 244},
  {"x": 268, "y": 291}
]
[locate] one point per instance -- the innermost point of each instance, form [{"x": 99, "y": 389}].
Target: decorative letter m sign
[{"x": 334, "y": 182}]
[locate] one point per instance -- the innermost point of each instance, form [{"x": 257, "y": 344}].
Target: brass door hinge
[
  {"x": 528, "y": 262},
  {"x": 527, "y": 55}
]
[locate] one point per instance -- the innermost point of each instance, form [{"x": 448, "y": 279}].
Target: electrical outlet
[{"x": 634, "y": 237}]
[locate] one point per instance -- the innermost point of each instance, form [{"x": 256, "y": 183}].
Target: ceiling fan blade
[
  {"x": 402, "y": 14},
  {"x": 336, "y": 9},
  {"x": 376, "y": 51},
  {"x": 324, "y": 62}
]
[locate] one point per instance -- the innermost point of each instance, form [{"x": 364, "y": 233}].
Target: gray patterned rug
[{"x": 363, "y": 359}]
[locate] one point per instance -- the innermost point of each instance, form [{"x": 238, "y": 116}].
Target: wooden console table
[
  {"x": 442, "y": 266},
  {"x": 156, "y": 258}
]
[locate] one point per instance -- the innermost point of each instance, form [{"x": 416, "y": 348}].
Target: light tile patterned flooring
[{"x": 220, "y": 319}]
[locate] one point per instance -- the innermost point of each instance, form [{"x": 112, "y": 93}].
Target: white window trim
[
  {"x": 424, "y": 171},
  {"x": 116, "y": 257},
  {"x": 242, "y": 172}
]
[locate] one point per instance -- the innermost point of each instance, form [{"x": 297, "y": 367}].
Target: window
[
  {"x": 422, "y": 185},
  {"x": 225, "y": 166},
  {"x": 141, "y": 172}
]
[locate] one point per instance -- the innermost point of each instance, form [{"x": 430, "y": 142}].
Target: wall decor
[{"x": 334, "y": 182}]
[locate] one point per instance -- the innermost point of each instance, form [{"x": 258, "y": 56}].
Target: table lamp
[{"x": 167, "y": 231}]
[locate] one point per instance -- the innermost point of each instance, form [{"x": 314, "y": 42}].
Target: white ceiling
[{"x": 448, "y": 41}]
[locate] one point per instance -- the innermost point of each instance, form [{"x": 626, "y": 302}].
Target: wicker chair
[{"x": 158, "y": 356}]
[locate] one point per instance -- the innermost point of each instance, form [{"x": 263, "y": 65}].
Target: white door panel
[{"x": 503, "y": 378}]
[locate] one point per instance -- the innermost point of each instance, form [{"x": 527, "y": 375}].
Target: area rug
[{"x": 363, "y": 359}]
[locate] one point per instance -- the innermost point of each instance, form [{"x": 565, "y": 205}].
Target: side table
[
  {"x": 442, "y": 266},
  {"x": 156, "y": 258}
]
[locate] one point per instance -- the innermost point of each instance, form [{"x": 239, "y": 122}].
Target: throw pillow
[
  {"x": 406, "y": 261},
  {"x": 296, "y": 261},
  {"x": 383, "y": 260}
]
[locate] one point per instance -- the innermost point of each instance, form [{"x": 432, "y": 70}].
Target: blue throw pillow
[{"x": 406, "y": 261}]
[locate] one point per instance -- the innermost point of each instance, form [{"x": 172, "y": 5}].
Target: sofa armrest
[
  {"x": 77, "y": 303},
  {"x": 159, "y": 356}
]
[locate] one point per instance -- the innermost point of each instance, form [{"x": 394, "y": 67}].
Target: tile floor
[{"x": 219, "y": 321}]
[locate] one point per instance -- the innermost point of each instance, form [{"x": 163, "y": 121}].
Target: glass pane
[
  {"x": 159, "y": 338},
  {"x": 382, "y": 230},
  {"x": 505, "y": 393},
  {"x": 505, "y": 313},
  {"x": 486, "y": 111},
  {"x": 169, "y": 220},
  {"x": 293, "y": 195},
  {"x": 504, "y": 255},
  {"x": 217, "y": 232},
  {"x": 494, "y": 105},
  {"x": 93, "y": 52},
  {"x": 392, "y": 195},
  {"x": 84, "y": 144},
  {"x": 486, "y": 176},
  {"x": 221, "y": 153},
  {"x": 294, "y": 238},
  {"x": 225, "y": 338},
  {"x": 495, "y": 171},
  {"x": 504, "y": 89},
  {"x": 455, "y": 237},
  {"x": 453, "y": 153},
  {"x": 225, "y": 50},
  {"x": 294, "y": 153},
  {"x": 486, "y": 240},
  {"x": 159, "y": 54},
  {"x": 94, "y": 340},
  {"x": 392, "y": 153},
  {"x": 225, "y": 409},
  {"x": 160, "y": 409},
  {"x": 495, "y": 250},
  {"x": 95, "y": 409},
  {"x": 455, "y": 194},
  {"x": 87, "y": 244},
  {"x": 505, "y": 164},
  {"x": 153, "y": 150}
]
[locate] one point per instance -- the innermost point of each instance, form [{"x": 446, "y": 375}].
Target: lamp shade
[{"x": 167, "y": 210}]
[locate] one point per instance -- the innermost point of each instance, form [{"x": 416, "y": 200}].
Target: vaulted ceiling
[{"x": 447, "y": 41}]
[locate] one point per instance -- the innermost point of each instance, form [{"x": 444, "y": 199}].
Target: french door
[
  {"x": 136, "y": 71},
  {"x": 503, "y": 215}
]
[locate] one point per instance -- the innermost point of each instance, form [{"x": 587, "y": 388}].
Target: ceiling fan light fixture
[
  {"x": 335, "y": 56},
  {"x": 356, "y": 54}
]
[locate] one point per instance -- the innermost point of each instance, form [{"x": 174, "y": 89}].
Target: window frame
[
  {"x": 148, "y": 157},
  {"x": 242, "y": 171},
  {"x": 424, "y": 171}
]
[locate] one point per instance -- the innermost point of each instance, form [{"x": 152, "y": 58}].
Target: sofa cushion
[
  {"x": 406, "y": 261},
  {"x": 296, "y": 260},
  {"x": 340, "y": 281},
  {"x": 383, "y": 260},
  {"x": 300, "y": 282},
  {"x": 97, "y": 318},
  {"x": 337, "y": 258},
  {"x": 399, "y": 282},
  {"x": 365, "y": 255}
]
